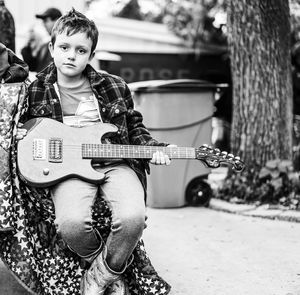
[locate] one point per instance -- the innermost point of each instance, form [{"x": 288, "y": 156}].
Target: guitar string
[
  {"x": 117, "y": 150},
  {"x": 125, "y": 148}
]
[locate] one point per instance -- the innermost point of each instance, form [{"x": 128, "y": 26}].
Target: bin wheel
[{"x": 198, "y": 192}]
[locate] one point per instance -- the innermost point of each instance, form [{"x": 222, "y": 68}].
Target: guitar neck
[{"x": 92, "y": 151}]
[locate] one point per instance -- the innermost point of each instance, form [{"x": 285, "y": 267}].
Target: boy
[{"x": 71, "y": 91}]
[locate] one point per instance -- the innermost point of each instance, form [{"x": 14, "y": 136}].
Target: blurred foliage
[
  {"x": 295, "y": 20},
  {"x": 131, "y": 9},
  {"x": 193, "y": 20},
  {"x": 197, "y": 21},
  {"x": 152, "y": 11},
  {"x": 276, "y": 184}
]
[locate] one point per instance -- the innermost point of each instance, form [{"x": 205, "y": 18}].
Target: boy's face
[{"x": 71, "y": 54}]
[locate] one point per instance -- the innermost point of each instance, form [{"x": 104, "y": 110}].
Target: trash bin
[{"x": 178, "y": 112}]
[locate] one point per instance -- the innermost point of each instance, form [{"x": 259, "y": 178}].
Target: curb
[{"x": 262, "y": 211}]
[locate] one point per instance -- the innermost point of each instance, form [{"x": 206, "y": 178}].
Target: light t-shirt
[
  {"x": 79, "y": 105},
  {"x": 80, "y": 109}
]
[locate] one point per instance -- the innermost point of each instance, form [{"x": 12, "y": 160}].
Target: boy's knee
[
  {"x": 71, "y": 227},
  {"x": 130, "y": 224}
]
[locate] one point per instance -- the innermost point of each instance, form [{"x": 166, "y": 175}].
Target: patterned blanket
[{"x": 29, "y": 244}]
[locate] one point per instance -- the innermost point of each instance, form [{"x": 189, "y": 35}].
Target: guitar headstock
[{"x": 213, "y": 158}]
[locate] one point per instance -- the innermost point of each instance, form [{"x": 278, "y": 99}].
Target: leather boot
[
  {"x": 118, "y": 287},
  {"x": 99, "y": 276}
]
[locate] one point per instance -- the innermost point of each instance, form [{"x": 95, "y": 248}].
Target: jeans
[{"x": 73, "y": 199}]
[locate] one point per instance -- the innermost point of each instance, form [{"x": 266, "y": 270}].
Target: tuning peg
[
  {"x": 217, "y": 151},
  {"x": 237, "y": 158},
  {"x": 230, "y": 156},
  {"x": 224, "y": 154}
]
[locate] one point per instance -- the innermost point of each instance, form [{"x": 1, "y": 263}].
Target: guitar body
[{"x": 39, "y": 168}]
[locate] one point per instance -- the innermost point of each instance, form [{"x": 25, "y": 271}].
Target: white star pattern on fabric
[
  {"x": 52, "y": 282},
  {"x": 2, "y": 186},
  {"x": 5, "y": 204},
  {"x": 19, "y": 235}
]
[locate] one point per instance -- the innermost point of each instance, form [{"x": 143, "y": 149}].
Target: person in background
[
  {"x": 7, "y": 27},
  {"x": 36, "y": 53}
]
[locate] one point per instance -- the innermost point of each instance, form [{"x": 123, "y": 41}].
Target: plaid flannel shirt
[{"x": 115, "y": 104}]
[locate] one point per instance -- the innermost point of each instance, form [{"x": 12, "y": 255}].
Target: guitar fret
[{"x": 132, "y": 151}]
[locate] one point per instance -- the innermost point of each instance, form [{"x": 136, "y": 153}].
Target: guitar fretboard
[{"x": 91, "y": 151}]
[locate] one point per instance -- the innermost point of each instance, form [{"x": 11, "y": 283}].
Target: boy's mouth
[{"x": 69, "y": 65}]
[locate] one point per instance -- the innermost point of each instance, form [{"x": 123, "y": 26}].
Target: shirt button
[
  {"x": 42, "y": 112},
  {"x": 55, "y": 100},
  {"x": 103, "y": 110},
  {"x": 117, "y": 111}
]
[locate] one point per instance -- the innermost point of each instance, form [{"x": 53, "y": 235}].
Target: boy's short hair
[{"x": 75, "y": 22}]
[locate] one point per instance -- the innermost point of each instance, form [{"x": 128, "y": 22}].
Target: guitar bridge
[{"x": 55, "y": 150}]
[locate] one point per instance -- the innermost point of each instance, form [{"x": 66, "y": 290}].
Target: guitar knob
[{"x": 46, "y": 171}]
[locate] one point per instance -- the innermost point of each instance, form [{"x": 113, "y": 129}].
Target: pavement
[{"x": 263, "y": 211}]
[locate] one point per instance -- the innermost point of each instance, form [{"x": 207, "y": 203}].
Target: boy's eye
[
  {"x": 63, "y": 47},
  {"x": 81, "y": 51}
]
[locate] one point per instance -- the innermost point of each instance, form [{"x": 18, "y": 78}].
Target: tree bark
[{"x": 259, "y": 42}]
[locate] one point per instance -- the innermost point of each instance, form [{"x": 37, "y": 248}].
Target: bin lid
[{"x": 174, "y": 85}]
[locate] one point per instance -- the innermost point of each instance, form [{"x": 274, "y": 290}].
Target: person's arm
[
  {"x": 28, "y": 57},
  {"x": 4, "y": 64},
  {"x": 18, "y": 70}
]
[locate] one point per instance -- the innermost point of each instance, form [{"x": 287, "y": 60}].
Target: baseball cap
[{"x": 51, "y": 12}]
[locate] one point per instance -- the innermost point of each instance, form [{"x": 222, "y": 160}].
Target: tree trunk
[{"x": 259, "y": 41}]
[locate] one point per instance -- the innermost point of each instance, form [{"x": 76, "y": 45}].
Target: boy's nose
[{"x": 72, "y": 54}]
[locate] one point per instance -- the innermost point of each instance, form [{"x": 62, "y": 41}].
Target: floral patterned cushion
[{"x": 10, "y": 95}]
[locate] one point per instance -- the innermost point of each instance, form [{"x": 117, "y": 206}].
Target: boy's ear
[
  {"x": 92, "y": 56},
  {"x": 50, "y": 46}
]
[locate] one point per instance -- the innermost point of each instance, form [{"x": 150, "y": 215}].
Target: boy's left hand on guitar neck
[{"x": 159, "y": 158}]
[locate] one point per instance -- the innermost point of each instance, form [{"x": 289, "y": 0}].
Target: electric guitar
[{"x": 52, "y": 151}]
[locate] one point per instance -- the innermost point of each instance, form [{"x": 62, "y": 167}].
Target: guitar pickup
[{"x": 56, "y": 150}]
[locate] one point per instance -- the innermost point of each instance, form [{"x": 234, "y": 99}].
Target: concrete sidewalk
[
  {"x": 278, "y": 212},
  {"x": 263, "y": 211}
]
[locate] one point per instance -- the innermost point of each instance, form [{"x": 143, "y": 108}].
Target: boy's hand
[
  {"x": 159, "y": 158},
  {"x": 20, "y": 132}
]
